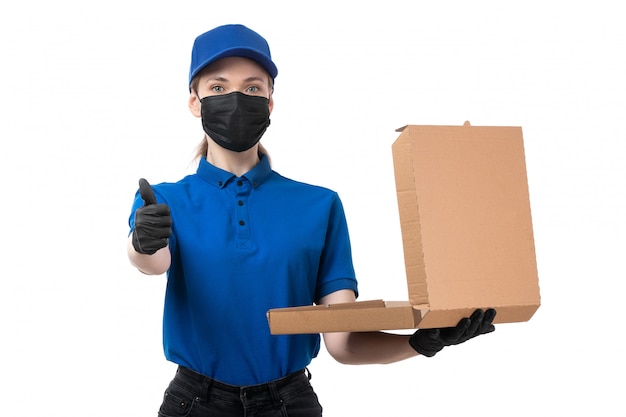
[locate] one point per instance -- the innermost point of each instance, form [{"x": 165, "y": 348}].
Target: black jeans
[{"x": 191, "y": 394}]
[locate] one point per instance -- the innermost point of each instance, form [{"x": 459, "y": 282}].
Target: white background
[{"x": 93, "y": 96}]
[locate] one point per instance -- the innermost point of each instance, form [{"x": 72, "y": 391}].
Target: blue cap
[{"x": 230, "y": 41}]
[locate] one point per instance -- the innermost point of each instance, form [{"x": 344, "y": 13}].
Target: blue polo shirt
[{"x": 241, "y": 246}]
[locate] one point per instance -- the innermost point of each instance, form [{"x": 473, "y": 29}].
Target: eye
[
  {"x": 252, "y": 89},
  {"x": 217, "y": 89}
]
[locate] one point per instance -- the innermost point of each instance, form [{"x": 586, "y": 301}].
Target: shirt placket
[{"x": 242, "y": 196}]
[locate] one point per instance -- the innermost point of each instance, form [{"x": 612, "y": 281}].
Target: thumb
[{"x": 145, "y": 190}]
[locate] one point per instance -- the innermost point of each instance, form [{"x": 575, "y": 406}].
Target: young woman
[{"x": 237, "y": 239}]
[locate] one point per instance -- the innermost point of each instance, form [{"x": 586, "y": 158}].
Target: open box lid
[{"x": 466, "y": 229}]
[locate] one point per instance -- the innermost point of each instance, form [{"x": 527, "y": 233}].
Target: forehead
[{"x": 234, "y": 67}]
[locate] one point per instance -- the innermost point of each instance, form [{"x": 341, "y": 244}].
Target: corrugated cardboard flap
[{"x": 465, "y": 219}]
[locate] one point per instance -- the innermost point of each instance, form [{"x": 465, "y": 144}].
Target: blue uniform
[{"x": 241, "y": 246}]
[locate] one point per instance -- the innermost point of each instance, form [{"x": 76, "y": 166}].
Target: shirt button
[
  {"x": 240, "y": 202},
  {"x": 219, "y": 183},
  {"x": 241, "y": 223},
  {"x": 239, "y": 183}
]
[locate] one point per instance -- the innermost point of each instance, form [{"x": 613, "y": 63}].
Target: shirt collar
[{"x": 219, "y": 177}]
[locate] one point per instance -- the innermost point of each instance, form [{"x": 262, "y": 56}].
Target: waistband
[{"x": 278, "y": 383}]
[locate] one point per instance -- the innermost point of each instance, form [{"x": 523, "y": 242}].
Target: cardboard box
[{"x": 467, "y": 236}]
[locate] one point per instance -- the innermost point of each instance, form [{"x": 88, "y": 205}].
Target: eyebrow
[{"x": 254, "y": 78}]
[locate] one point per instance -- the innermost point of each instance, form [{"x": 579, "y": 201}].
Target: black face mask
[{"x": 235, "y": 121}]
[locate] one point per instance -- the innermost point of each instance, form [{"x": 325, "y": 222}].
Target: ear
[
  {"x": 194, "y": 104},
  {"x": 271, "y": 104}
]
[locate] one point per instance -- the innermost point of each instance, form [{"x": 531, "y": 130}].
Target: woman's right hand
[{"x": 153, "y": 223}]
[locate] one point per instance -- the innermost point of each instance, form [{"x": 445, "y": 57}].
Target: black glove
[
  {"x": 152, "y": 222},
  {"x": 430, "y": 341}
]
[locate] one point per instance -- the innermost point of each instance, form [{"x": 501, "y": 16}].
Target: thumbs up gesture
[{"x": 152, "y": 222}]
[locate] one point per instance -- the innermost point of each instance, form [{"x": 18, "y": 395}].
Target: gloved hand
[
  {"x": 152, "y": 222},
  {"x": 430, "y": 341}
]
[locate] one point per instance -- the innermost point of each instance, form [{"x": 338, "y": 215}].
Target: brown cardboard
[
  {"x": 466, "y": 230},
  {"x": 345, "y": 317}
]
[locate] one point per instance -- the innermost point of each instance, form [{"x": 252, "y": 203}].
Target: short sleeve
[{"x": 336, "y": 270}]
